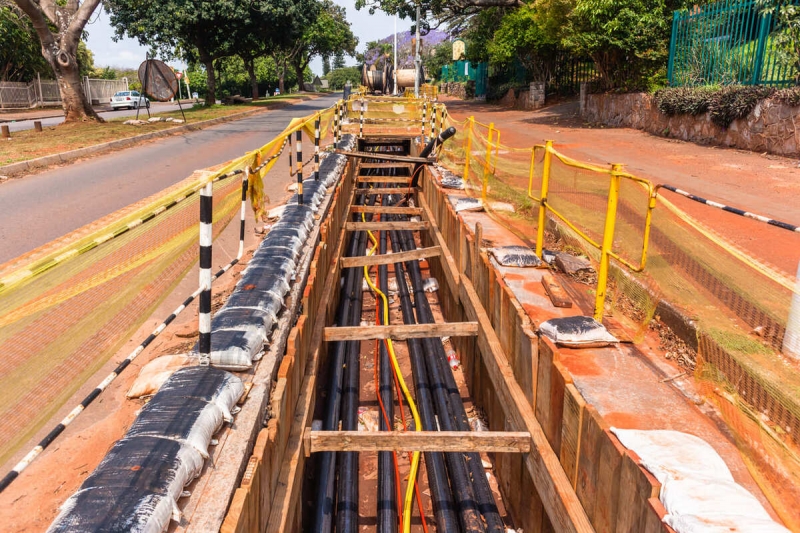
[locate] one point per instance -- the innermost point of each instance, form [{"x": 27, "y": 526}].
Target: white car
[{"x": 129, "y": 99}]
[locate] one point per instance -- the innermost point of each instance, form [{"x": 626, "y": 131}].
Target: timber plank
[
  {"x": 389, "y": 210},
  {"x": 572, "y": 422},
  {"x": 424, "y": 441},
  {"x": 558, "y": 296},
  {"x": 385, "y": 156},
  {"x": 383, "y": 179},
  {"x": 448, "y": 264},
  {"x": 387, "y": 226},
  {"x": 390, "y": 259},
  {"x": 401, "y": 331},
  {"x": 387, "y": 190}
]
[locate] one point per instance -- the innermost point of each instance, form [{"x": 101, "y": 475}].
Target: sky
[{"x": 128, "y": 52}]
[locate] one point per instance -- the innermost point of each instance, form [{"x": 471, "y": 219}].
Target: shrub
[
  {"x": 725, "y": 104},
  {"x": 789, "y": 96}
]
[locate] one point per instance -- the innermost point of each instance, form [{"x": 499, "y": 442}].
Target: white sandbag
[
  {"x": 722, "y": 524},
  {"x": 236, "y": 349},
  {"x": 275, "y": 212},
  {"x": 430, "y": 285},
  {"x": 577, "y": 332},
  {"x": 516, "y": 256},
  {"x": 466, "y": 204},
  {"x": 155, "y": 373}
]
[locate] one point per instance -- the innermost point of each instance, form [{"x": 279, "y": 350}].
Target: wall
[{"x": 771, "y": 127}]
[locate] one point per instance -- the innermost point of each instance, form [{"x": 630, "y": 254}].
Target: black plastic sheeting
[{"x": 136, "y": 487}]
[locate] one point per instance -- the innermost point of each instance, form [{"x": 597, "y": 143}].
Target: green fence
[
  {"x": 466, "y": 71},
  {"x": 727, "y": 42}
]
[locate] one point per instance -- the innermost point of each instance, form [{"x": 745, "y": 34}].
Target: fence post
[
  {"x": 758, "y": 60},
  {"x": 316, "y": 148},
  {"x": 299, "y": 138},
  {"x": 336, "y": 123},
  {"x": 245, "y": 186},
  {"x": 672, "y": 46},
  {"x": 468, "y": 148},
  {"x": 530, "y": 171},
  {"x": 361, "y": 119},
  {"x": 548, "y": 149},
  {"x": 486, "y": 162},
  {"x": 433, "y": 120},
  {"x": 608, "y": 243},
  {"x": 40, "y": 99},
  {"x": 204, "y": 316}
]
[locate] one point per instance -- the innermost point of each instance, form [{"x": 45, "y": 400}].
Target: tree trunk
[
  {"x": 251, "y": 71},
  {"x": 281, "y": 75},
  {"x": 73, "y": 99},
  {"x": 298, "y": 70},
  {"x": 211, "y": 80}
]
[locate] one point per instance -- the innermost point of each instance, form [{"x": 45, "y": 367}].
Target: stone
[{"x": 570, "y": 264}]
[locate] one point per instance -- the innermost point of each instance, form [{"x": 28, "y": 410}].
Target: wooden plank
[
  {"x": 636, "y": 487},
  {"x": 387, "y": 226},
  {"x": 383, "y": 179},
  {"x": 608, "y": 473},
  {"x": 558, "y": 496},
  {"x": 558, "y": 296},
  {"x": 387, "y": 210},
  {"x": 390, "y": 259},
  {"x": 385, "y": 156},
  {"x": 388, "y": 190},
  {"x": 401, "y": 332},
  {"x": 383, "y": 165},
  {"x": 449, "y": 267},
  {"x": 423, "y": 441},
  {"x": 572, "y": 422}
]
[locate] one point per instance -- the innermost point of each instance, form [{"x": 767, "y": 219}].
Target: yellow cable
[{"x": 412, "y": 476}]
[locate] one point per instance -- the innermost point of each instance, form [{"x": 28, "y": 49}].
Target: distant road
[
  {"x": 155, "y": 107},
  {"x": 39, "y": 208}
]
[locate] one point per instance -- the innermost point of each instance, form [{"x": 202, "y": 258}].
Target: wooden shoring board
[
  {"x": 386, "y": 210},
  {"x": 450, "y": 269},
  {"x": 384, "y": 165},
  {"x": 386, "y": 157},
  {"x": 390, "y": 259},
  {"x": 384, "y": 179},
  {"x": 289, "y": 489},
  {"x": 388, "y": 190},
  {"x": 413, "y": 441},
  {"x": 387, "y": 226},
  {"x": 401, "y": 332}
]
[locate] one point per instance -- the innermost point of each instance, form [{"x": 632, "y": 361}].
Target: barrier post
[
  {"x": 245, "y": 186},
  {"x": 422, "y": 123},
  {"x": 486, "y": 162},
  {"x": 496, "y": 152},
  {"x": 336, "y": 123},
  {"x": 361, "y": 120},
  {"x": 548, "y": 150},
  {"x": 316, "y": 148},
  {"x": 433, "y": 120},
  {"x": 299, "y": 139},
  {"x": 468, "y": 148},
  {"x": 530, "y": 172},
  {"x": 608, "y": 242},
  {"x": 204, "y": 315}
]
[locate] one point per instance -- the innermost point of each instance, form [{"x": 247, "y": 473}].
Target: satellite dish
[{"x": 158, "y": 80}]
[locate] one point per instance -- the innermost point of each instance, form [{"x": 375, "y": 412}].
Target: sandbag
[
  {"x": 236, "y": 349},
  {"x": 516, "y": 256},
  {"x": 577, "y": 332},
  {"x": 466, "y": 204},
  {"x": 238, "y": 317},
  {"x": 155, "y": 373},
  {"x": 265, "y": 301},
  {"x": 212, "y": 385}
]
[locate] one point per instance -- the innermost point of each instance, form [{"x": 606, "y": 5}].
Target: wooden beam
[
  {"x": 422, "y": 441},
  {"x": 385, "y": 156},
  {"x": 555, "y": 490},
  {"x": 386, "y": 226},
  {"x": 390, "y": 259},
  {"x": 383, "y": 179},
  {"x": 449, "y": 266},
  {"x": 386, "y": 210},
  {"x": 383, "y": 165},
  {"x": 401, "y": 332},
  {"x": 558, "y": 296},
  {"x": 388, "y": 190}
]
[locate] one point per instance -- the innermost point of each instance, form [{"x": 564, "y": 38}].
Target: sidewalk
[{"x": 764, "y": 184}]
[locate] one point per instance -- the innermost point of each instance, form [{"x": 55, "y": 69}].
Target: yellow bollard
[
  {"x": 608, "y": 242},
  {"x": 468, "y": 149},
  {"x": 548, "y": 149}
]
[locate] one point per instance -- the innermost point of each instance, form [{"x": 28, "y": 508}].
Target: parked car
[{"x": 129, "y": 99}]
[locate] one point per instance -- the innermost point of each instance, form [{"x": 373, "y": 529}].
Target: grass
[{"x": 29, "y": 144}]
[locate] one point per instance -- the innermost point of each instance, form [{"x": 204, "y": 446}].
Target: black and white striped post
[
  {"x": 342, "y": 116},
  {"x": 204, "y": 322},
  {"x": 422, "y": 125},
  {"x": 361, "y": 120},
  {"x": 336, "y": 123},
  {"x": 316, "y": 149},
  {"x": 245, "y": 184},
  {"x": 299, "y": 139},
  {"x": 433, "y": 120}
]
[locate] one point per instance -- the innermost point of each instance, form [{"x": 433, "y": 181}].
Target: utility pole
[
  {"x": 417, "y": 60},
  {"x": 394, "y": 63}
]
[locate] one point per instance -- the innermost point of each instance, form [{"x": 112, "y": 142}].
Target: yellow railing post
[
  {"x": 530, "y": 171},
  {"x": 548, "y": 150},
  {"x": 468, "y": 148},
  {"x": 608, "y": 242},
  {"x": 496, "y": 152},
  {"x": 486, "y": 162}
]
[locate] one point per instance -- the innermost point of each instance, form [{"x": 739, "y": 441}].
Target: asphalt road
[
  {"x": 155, "y": 107},
  {"x": 39, "y": 208}
]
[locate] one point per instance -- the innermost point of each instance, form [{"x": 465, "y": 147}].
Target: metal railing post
[
  {"x": 496, "y": 152},
  {"x": 608, "y": 242},
  {"x": 336, "y": 111},
  {"x": 316, "y": 148},
  {"x": 672, "y": 47},
  {"x": 299, "y": 139},
  {"x": 422, "y": 122},
  {"x": 486, "y": 162},
  {"x": 204, "y": 315},
  {"x": 243, "y": 213},
  {"x": 468, "y": 148},
  {"x": 530, "y": 172},
  {"x": 548, "y": 150}
]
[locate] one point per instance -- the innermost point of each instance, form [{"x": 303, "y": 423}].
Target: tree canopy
[{"x": 20, "y": 50}]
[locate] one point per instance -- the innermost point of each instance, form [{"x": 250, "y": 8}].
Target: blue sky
[{"x": 128, "y": 53}]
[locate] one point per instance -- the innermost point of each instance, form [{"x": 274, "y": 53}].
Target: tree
[
  {"x": 338, "y": 77},
  {"x": 521, "y": 35},
  {"x": 338, "y": 60},
  {"x": 444, "y": 11},
  {"x": 196, "y": 30},
  {"x": 20, "y": 51},
  {"x": 441, "y": 55},
  {"x": 328, "y": 34},
  {"x": 59, "y": 25},
  {"x": 786, "y": 38},
  {"x": 326, "y": 65}
]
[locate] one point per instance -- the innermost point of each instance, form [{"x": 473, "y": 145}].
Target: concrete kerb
[{"x": 64, "y": 157}]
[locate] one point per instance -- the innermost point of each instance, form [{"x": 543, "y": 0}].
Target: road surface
[
  {"x": 39, "y": 208},
  {"x": 155, "y": 107}
]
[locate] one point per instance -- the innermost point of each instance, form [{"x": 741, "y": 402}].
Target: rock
[
  {"x": 3, "y": 178},
  {"x": 134, "y": 122},
  {"x": 155, "y": 119},
  {"x": 177, "y": 121},
  {"x": 169, "y": 119},
  {"x": 570, "y": 264}
]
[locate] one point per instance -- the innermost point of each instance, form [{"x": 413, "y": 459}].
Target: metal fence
[
  {"x": 22, "y": 95},
  {"x": 467, "y": 71},
  {"x": 727, "y": 42}
]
